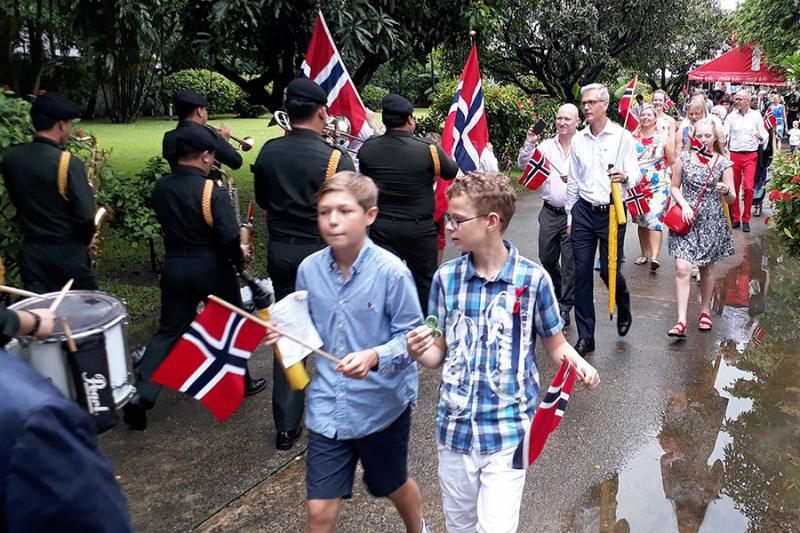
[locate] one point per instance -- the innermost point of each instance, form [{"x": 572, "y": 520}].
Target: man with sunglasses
[
  {"x": 405, "y": 168},
  {"x": 602, "y": 153}
]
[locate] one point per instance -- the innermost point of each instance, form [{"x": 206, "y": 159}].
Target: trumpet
[
  {"x": 245, "y": 143},
  {"x": 336, "y": 131}
]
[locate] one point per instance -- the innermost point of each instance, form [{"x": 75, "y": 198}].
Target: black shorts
[{"x": 331, "y": 463}]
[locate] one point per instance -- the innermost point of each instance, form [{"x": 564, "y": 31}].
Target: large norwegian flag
[
  {"x": 465, "y": 131},
  {"x": 626, "y": 109},
  {"x": 324, "y": 65},
  {"x": 536, "y": 172},
  {"x": 770, "y": 122},
  {"x": 703, "y": 154},
  {"x": 210, "y": 359},
  {"x": 548, "y": 415}
]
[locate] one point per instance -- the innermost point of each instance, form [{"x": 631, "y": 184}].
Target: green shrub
[
  {"x": 509, "y": 113},
  {"x": 372, "y": 96},
  {"x": 222, "y": 94},
  {"x": 784, "y": 193},
  {"x": 15, "y": 128}
]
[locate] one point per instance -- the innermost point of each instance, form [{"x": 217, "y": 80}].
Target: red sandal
[
  {"x": 705, "y": 323},
  {"x": 678, "y": 330}
]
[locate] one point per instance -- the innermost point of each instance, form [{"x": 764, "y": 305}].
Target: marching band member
[
  {"x": 55, "y": 207},
  {"x": 203, "y": 252},
  {"x": 287, "y": 175}
]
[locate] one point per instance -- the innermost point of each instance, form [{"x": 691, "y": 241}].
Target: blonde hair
[
  {"x": 360, "y": 186},
  {"x": 489, "y": 192},
  {"x": 645, "y": 107},
  {"x": 719, "y": 138}
]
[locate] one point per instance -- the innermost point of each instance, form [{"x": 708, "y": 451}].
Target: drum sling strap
[
  {"x": 92, "y": 380},
  {"x": 63, "y": 174},
  {"x": 208, "y": 216}
]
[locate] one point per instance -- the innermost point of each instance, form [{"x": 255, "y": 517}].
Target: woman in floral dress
[
  {"x": 655, "y": 152},
  {"x": 709, "y": 240}
]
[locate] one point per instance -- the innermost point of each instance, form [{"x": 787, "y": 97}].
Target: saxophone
[{"x": 104, "y": 212}]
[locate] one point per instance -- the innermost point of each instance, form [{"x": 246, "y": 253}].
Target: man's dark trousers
[
  {"x": 588, "y": 227},
  {"x": 413, "y": 241},
  {"x": 554, "y": 244},
  {"x": 284, "y": 259},
  {"x": 47, "y": 266}
]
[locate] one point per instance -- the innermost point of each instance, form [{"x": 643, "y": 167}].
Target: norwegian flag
[
  {"x": 669, "y": 105},
  {"x": 758, "y": 337},
  {"x": 324, "y": 65},
  {"x": 210, "y": 359},
  {"x": 770, "y": 122},
  {"x": 626, "y": 109},
  {"x": 536, "y": 172},
  {"x": 703, "y": 154},
  {"x": 465, "y": 131},
  {"x": 636, "y": 200},
  {"x": 547, "y": 417}
]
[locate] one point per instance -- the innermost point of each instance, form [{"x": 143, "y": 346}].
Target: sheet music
[{"x": 291, "y": 316}]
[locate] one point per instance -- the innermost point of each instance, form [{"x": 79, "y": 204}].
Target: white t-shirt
[{"x": 794, "y": 137}]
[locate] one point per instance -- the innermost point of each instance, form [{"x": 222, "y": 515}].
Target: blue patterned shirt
[
  {"x": 374, "y": 308},
  {"x": 490, "y": 382}
]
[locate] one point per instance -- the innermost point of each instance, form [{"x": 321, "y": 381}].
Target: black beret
[
  {"x": 396, "y": 105},
  {"x": 305, "y": 89},
  {"x": 193, "y": 138},
  {"x": 55, "y": 106},
  {"x": 190, "y": 98}
]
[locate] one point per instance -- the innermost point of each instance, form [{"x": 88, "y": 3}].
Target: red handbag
[{"x": 673, "y": 218}]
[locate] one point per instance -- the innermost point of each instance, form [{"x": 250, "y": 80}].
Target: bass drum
[{"x": 88, "y": 313}]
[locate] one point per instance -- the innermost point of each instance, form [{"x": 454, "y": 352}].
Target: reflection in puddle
[{"x": 727, "y": 455}]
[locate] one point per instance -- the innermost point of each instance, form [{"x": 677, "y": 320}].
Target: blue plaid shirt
[
  {"x": 374, "y": 308},
  {"x": 490, "y": 382}
]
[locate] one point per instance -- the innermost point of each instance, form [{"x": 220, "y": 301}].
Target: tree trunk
[{"x": 366, "y": 70}]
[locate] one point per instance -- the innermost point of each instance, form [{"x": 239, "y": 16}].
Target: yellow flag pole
[
  {"x": 296, "y": 375},
  {"x": 727, "y": 210},
  {"x": 613, "y": 229}
]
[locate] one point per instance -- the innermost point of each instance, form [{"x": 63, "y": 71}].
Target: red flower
[
  {"x": 798, "y": 227},
  {"x": 519, "y": 104},
  {"x": 773, "y": 195},
  {"x": 796, "y": 179},
  {"x": 786, "y": 197},
  {"x": 767, "y": 219}
]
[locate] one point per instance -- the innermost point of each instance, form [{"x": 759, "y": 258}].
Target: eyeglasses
[
  {"x": 449, "y": 219},
  {"x": 591, "y": 102}
]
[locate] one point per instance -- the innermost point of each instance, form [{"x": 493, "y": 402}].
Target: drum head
[{"x": 84, "y": 310}]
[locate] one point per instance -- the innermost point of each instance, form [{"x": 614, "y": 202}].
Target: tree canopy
[{"x": 775, "y": 26}]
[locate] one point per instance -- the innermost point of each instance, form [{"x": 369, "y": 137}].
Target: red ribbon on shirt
[{"x": 519, "y": 291}]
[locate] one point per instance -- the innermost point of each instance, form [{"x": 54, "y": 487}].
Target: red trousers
[{"x": 744, "y": 176}]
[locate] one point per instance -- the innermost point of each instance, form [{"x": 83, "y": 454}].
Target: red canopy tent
[{"x": 740, "y": 66}]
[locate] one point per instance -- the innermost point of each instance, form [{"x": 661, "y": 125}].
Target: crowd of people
[{"x": 366, "y": 246}]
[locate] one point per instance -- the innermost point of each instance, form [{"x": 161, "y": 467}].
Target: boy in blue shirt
[
  {"x": 362, "y": 301},
  {"x": 491, "y": 303}
]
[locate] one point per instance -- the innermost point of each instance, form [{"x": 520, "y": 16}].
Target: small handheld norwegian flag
[
  {"x": 625, "y": 110},
  {"x": 770, "y": 122},
  {"x": 703, "y": 154},
  {"x": 636, "y": 200},
  {"x": 209, "y": 361},
  {"x": 547, "y": 417},
  {"x": 536, "y": 172}
]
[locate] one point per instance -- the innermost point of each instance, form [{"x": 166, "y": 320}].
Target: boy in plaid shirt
[{"x": 490, "y": 303}]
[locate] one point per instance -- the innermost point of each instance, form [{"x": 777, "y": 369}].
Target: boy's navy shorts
[{"x": 331, "y": 463}]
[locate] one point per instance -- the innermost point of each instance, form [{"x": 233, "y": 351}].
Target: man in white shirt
[
  {"x": 554, "y": 241},
  {"x": 745, "y": 132},
  {"x": 601, "y": 153}
]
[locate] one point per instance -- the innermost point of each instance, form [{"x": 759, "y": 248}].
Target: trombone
[
  {"x": 336, "y": 131},
  {"x": 245, "y": 143}
]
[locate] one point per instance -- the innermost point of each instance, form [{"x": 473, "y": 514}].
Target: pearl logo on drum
[{"x": 92, "y": 387}]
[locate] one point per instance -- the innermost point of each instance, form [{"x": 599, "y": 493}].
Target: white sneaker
[{"x": 424, "y": 528}]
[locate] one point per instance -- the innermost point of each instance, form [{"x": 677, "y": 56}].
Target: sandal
[
  {"x": 705, "y": 323},
  {"x": 640, "y": 260},
  {"x": 654, "y": 264},
  {"x": 678, "y": 330}
]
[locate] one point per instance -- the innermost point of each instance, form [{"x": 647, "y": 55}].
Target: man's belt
[
  {"x": 554, "y": 209},
  {"x": 602, "y": 208}
]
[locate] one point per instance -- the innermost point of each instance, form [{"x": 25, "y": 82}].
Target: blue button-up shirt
[
  {"x": 490, "y": 382},
  {"x": 373, "y": 308}
]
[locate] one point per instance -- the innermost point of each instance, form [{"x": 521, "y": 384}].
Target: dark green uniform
[
  {"x": 225, "y": 153},
  {"x": 288, "y": 173},
  {"x": 56, "y": 232},
  {"x": 402, "y": 167},
  {"x": 200, "y": 260}
]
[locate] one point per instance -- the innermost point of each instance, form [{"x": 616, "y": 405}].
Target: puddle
[{"x": 726, "y": 457}]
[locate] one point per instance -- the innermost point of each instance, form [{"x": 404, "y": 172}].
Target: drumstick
[
  {"x": 270, "y": 326},
  {"x": 19, "y": 292},
  {"x": 68, "y": 333},
  {"x": 60, "y": 296}
]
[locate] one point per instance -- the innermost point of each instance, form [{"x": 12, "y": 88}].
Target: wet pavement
[{"x": 695, "y": 435}]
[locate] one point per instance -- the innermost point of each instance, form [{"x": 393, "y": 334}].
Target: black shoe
[
  {"x": 746, "y": 227},
  {"x": 757, "y": 210},
  {"x": 565, "y": 317},
  {"x": 135, "y": 415},
  {"x": 255, "y": 386},
  {"x": 735, "y": 224},
  {"x": 584, "y": 346},
  {"x": 624, "y": 320},
  {"x": 284, "y": 440}
]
